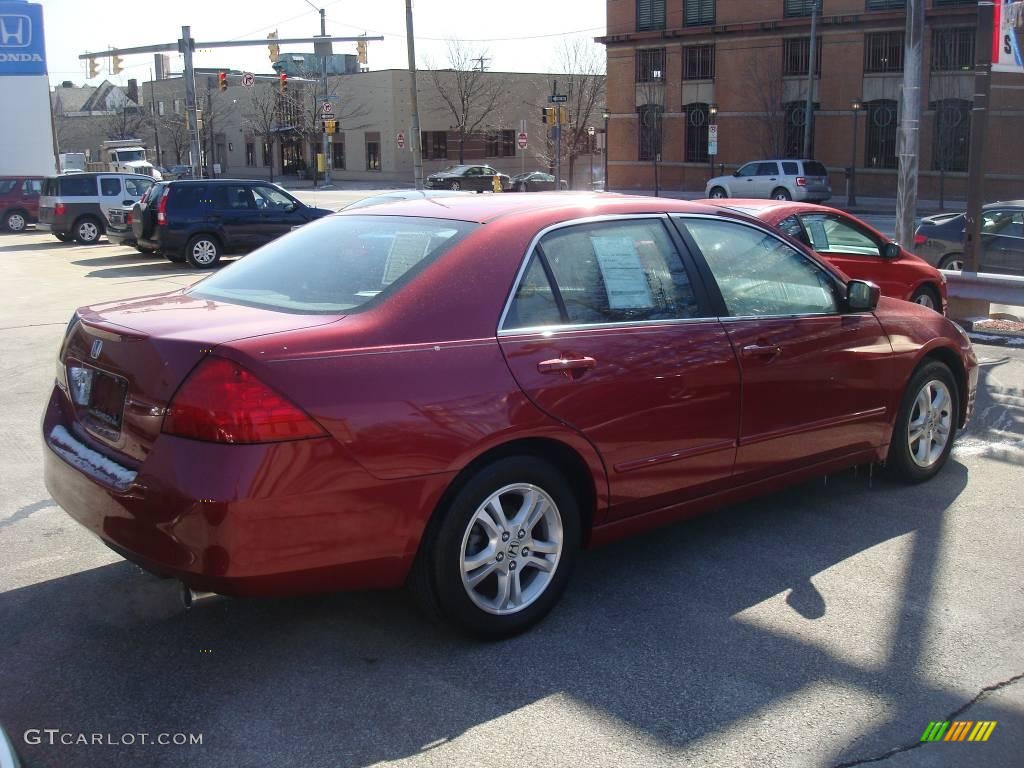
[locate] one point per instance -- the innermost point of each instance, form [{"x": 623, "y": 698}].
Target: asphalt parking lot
[{"x": 823, "y": 626}]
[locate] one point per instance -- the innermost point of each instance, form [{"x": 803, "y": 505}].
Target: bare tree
[
  {"x": 125, "y": 123},
  {"x": 260, "y": 119},
  {"x": 766, "y": 86},
  {"x": 585, "y": 87},
  {"x": 175, "y": 135},
  {"x": 470, "y": 95}
]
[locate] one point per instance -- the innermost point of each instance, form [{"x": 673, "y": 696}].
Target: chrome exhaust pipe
[{"x": 189, "y": 596}]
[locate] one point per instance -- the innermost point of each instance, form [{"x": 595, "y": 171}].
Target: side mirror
[
  {"x": 862, "y": 296},
  {"x": 736, "y": 174},
  {"x": 891, "y": 251}
]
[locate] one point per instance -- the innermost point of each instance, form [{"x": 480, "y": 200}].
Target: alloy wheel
[
  {"x": 954, "y": 265},
  {"x": 88, "y": 232},
  {"x": 15, "y": 222},
  {"x": 931, "y": 423},
  {"x": 511, "y": 549},
  {"x": 204, "y": 252},
  {"x": 925, "y": 299}
]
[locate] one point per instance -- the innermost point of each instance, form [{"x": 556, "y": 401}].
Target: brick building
[{"x": 743, "y": 65}]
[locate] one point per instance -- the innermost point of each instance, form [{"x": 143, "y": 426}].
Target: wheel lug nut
[
  {"x": 505, "y": 536},
  {"x": 521, "y": 533},
  {"x": 525, "y": 552},
  {"x": 512, "y": 565}
]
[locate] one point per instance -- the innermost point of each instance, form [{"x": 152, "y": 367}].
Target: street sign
[
  {"x": 713, "y": 139},
  {"x": 248, "y": 79},
  {"x": 557, "y": 98},
  {"x": 521, "y": 139},
  {"x": 326, "y": 108},
  {"x": 401, "y": 140}
]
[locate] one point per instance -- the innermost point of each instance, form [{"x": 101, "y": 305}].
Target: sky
[{"x": 522, "y": 36}]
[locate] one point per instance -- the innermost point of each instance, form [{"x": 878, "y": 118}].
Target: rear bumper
[
  {"x": 812, "y": 195},
  {"x": 275, "y": 519},
  {"x": 120, "y": 238}
]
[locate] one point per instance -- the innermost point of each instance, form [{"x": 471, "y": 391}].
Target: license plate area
[{"x": 100, "y": 396}]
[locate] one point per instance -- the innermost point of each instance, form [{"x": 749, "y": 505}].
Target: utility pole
[
  {"x": 811, "y": 61},
  {"x": 415, "y": 141},
  {"x": 558, "y": 136},
  {"x": 979, "y": 128},
  {"x": 325, "y": 143},
  {"x": 186, "y": 44},
  {"x": 156, "y": 119},
  {"x": 910, "y": 124}
]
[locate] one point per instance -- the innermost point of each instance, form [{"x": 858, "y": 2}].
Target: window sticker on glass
[
  {"x": 407, "y": 250},
  {"x": 623, "y": 274}
]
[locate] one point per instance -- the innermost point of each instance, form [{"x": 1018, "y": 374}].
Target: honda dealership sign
[
  {"x": 28, "y": 146},
  {"x": 1008, "y": 45}
]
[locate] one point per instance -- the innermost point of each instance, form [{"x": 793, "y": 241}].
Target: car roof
[
  {"x": 94, "y": 174},
  {"x": 771, "y": 209},
  {"x": 218, "y": 181},
  {"x": 1006, "y": 204},
  {"x": 553, "y": 206}
]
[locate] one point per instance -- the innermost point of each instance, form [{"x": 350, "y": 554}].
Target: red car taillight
[
  {"x": 222, "y": 402},
  {"x": 128, "y": 219},
  {"x": 161, "y": 208},
  {"x": 920, "y": 239},
  {"x": 801, "y": 181},
  {"x": 59, "y": 209}
]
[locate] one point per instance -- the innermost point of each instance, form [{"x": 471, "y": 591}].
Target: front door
[
  {"x": 112, "y": 195},
  {"x": 278, "y": 213},
  {"x": 766, "y": 179},
  {"x": 814, "y": 377},
  {"x": 1002, "y": 242},
  {"x": 238, "y": 217},
  {"x": 608, "y": 334}
]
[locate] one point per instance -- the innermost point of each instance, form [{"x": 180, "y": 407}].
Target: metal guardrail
[{"x": 981, "y": 286}]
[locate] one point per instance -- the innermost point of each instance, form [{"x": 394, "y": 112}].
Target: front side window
[
  {"x": 339, "y": 264},
  {"x": 32, "y": 187},
  {"x": 760, "y": 275},
  {"x": 110, "y": 187},
  {"x": 831, "y": 234},
  {"x": 750, "y": 169},
  {"x": 618, "y": 272},
  {"x": 1003, "y": 223},
  {"x": 273, "y": 199}
]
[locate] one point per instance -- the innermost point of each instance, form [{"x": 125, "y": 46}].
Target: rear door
[
  {"x": 815, "y": 379},
  {"x": 112, "y": 195},
  {"x": 609, "y": 333}
]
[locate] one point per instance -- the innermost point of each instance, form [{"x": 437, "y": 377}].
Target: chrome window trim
[{"x": 560, "y": 328}]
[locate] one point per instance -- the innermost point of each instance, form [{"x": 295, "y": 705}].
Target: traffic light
[
  {"x": 94, "y": 68},
  {"x": 283, "y": 83},
  {"x": 330, "y": 126},
  {"x": 361, "y": 51},
  {"x": 548, "y": 115},
  {"x": 222, "y": 81},
  {"x": 563, "y": 115},
  {"x": 116, "y": 65}
]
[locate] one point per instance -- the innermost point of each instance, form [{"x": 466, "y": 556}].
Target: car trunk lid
[{"x": 122, "y": 363}]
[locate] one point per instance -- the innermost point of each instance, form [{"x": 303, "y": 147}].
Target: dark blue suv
[{"x": 199, "y": 221}]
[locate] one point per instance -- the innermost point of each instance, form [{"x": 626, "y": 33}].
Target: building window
[
  {"x": 373, "y": 151},
  {"x": 950, "y": 3},
  {"x": 698, "y": 12},
  {"x": 883, "y": 52},
  {"x": 953, "y": 49},
  {"x": 250, "y": 154},
  {"x": 699, "y": 62},
  {"x": 798, "y": 7},
  {"x": 650, "y": 14},
  {"x": 796, "y": 53},
  {"x": 650, "y": 65},
  {"x": 338, "y": 152},
  {"x": 435, "y": 145},
  {"x": 650, "y": 131},
  {"x": 160, "y": 108},
  {"x": 795, "y": 113},
  {"x": 268, "y": 154},
  {"x": 696, "y": 117},
  {"x": 952, "y": 135},
  {"x": 500, "y": 144},
  {"x": 880, "y": 149},
  {"x": 177, "y": 106},
  {"x": 886, "y": 5}
]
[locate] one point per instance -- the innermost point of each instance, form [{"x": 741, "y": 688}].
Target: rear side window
[
  {"x": 790, "y": 169},
  {"x": 78, "y": 186},
  {"x": 234, "y": 197},
  {"x": 814, "y": 168},
  {"x": 339, "y": 264},
  {"x": 534, "y": 304},
  {"x": 188, "y": 198},
  {"x": 110, "y": 187},
  {"x": 759, "y": 275},
  {"x": 7, "y": 185},
  {"x": 137, "y": 187},
  {"x": 619, "y": 272}
]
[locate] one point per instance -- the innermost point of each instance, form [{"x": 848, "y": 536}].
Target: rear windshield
[
  {"x": 814, "y": 168},
  {"x": 336, "y": 265}
]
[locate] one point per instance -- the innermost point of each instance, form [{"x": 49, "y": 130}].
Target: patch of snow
[{"x": 87, "y": 460}]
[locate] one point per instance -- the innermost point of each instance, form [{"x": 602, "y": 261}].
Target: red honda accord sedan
[
  {"x": 458, "y": 395},
  {"x": 858, "y": 249}
]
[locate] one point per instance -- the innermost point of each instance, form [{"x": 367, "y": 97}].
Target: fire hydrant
[{"x": 496, "y": 183}]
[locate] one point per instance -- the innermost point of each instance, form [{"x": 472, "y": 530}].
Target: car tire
[
  {"x": 177, "y": 258},
  {"x": 481, "y": 517},
  {"x": 925, "y": 425},
  {"x": 927, "y": 296},
  {"x": 15, "y": 221},
  {"x": 87, "y": 230},
  {"x": 718, "y": 193},
  {"x": 455, "y": 186},
  {"x": 781, "y": 193},
  {"x": 203, "y": 251},
  {"x": 952, "y": 261},
  {"x": 522, "y": 187},
  {"x": 64, "y": 237}
]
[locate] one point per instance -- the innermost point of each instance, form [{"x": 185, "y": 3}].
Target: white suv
[{"x": 802, "y": 180}]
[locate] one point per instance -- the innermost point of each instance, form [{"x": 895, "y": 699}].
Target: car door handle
[
  {"x": 761, "y": 350},
  {"x": 570, "y": 366}
]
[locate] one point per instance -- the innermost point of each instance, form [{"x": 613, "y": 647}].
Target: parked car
[
  {"x": 460, "y": 397},
  {"x": 477, "y": 178},
  {"x": 176, "y": 172},
  {"x": 802, "y": 180},
  {"x": 19, "y": 201},
  {"x": 939, "y": 240},
  {"x": 119, "y": 228},
  {"x": 856, "y": 248},
  {"x": 75, "y": 206},
  {"x": 398, "y": 195},
  {"x": 199, "y": 221},
  {"x": 535, "y": 181}
]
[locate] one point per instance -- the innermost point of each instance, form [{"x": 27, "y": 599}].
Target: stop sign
[
  {"x": 401, "y": 140},
  {"x": 521, "y": 138}
]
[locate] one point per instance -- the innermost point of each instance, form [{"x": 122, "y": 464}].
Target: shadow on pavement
[{"x": 647, "y": 636}]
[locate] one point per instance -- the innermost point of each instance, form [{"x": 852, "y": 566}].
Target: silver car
[{"x": 805, "y": 181}]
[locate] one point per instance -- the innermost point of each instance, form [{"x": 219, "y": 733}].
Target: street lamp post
[
  {"x": 590, "y": 133},
  {"x": 712, "y": 116},
  {"x": 851, "y": 193},
  {"x": 606, "y": 114}
]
